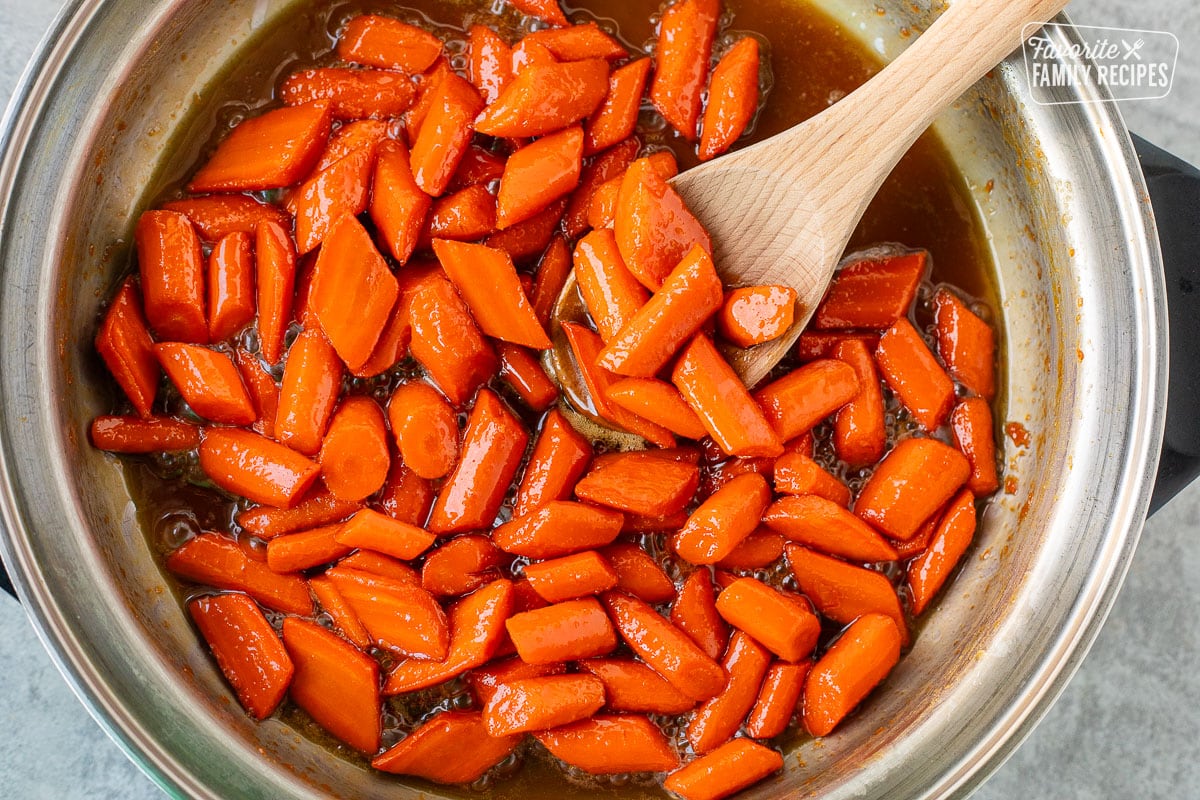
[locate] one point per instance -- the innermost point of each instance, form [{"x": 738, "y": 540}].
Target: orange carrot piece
[
  {"x": 816, "y": 522},
  {"x": 616, "y": 118},
  {"x": 245, "y": 646},
  {"x": 777, "y": 700},
  {"x": 372, "y": 563},
  {"x": 602, "y": 209},
  {"x": 611, "y": 745},
  {"x": 668, "y": 650},
  {"x": 344, "y": 619},
  {"x": 138, "y": 435},
  {"x": 213, "y": 560},
  {"x": 719, "y": 398},
  {"x": 571, "y": 577},
  {"x": 406, "y": 496},
  {"x": 760, "y": 549},
  {"x": 466, "y": 215},
  {"x": 538, "y": 174},
  {"x": 579, "y": 42},
  {"x": 270, "y": 151},
  {"x": 535, "y": 704},
  {"x": 125, "y": 345},
  {"x": 343, "y": 188},
  {"x": 558, "y": 528},
  {"x": 461, "y": 566},
  {"x": 727, "y": 770},
  {"x": 796, "y": 473},
  {"x": 300, "y": 551},
  {"x": 915, "y": 375},
  {"x": 371, "y": 530},
  {"x": 545, "y": 10},
  {"x": 732, "y": 99},
  {"x": 695, "y": 613},
  {"x": 551, "y": 276},
  {"x": 632, "y": 686},
  {"x": 813, "y": 345},
  {"x": 849, "y": 670},
  {"x": 525, "y": 375},
  {"x": 638, "y": 573},
  {"x": 448, "y": 343},
  {"x": 612, "y": 295},
  {"x": 667, "y": 524},
  {"x": 717, "y": 719},
  {"x": 528, "y": 52},
  {"x": 387, "y": 43},
  {"x": 254, "y": 467},
  {"x": 780, "y": 621},
  {"x": 723, "y": 520},
  {"x": 795, "y": 403},
  {"x": 971, "y": 423},
  {"x": 317, "y": 509},
  {"x": 354, "y": 455},
  {"x": 426, "y": 429},
  {"x": 485, "y": 679},
  {"x": 531, "y": 237},
  {"x": 659, "y": 402},
  {"x": 445, "y": 133},
  {"x": 336, "y": 683},
  {"x": 685, "y": 43},
  {"x": 493, "y": 446},
  {"x": 353, "y": 136},
  {"x": 172, "y": 270},
  {"x": 756, "y": 314},
  {"x": 209, "y": 381},
  {"x": 275, "y": 262},
  {"x": 398, "y": 615},
  {"x": 393, "y": 343},
  {"x": 606, "y": 166},
  {"x": 351, "y": 93},
  {"x": 488, "y": 282},
  {"x": 490, "y": 64},
  {"x": 915, "y": 480},
  {"x": 640, "y": 483},
  {"x": 559, "y": 459},
  {"x": 219, "y": 215},
  {"x": 312, "y": 381},
  {"x": 654, "y": 228},
  {"x": 844, "y": 592},
  {"x": 966, "y": 344},
  {"x": 927, "y": 573},
  {"x": 398, "y": 205},
  {"x": 546, "y": 97},
  {"x": 871, "y": 293},
  {"x": 859, "y": 430},
  {"x": 230, "y": 287},
  {"x": 479, "y": 167},
  {"x": 429, "y": 87},
  {"x": 565, "y": 631},
  {"x": 453, "y": 747}
]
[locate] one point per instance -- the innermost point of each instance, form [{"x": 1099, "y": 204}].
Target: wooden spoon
[{"x": 782, "y": 211}]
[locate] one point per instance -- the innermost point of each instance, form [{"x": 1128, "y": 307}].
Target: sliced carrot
[
  {"x": 666, "y": 648},
  {"x": 246, "y": 648},
  {"x": 488, "y": 282},
  {"x": 611, "y": 745},
  {"x": 971, "y": 423},
  {"x": 872, "y": 293},
  {"x": 445, "y": 133},
  {"x": 270, "y": 151},
  {"x": 530, "y": 53},
  {"x": 795, "y": 403},
  {"x": 336, "y": 683},
  {"x": 462, "y": 565},
  {"x": 565, "y": 631},
  {"x": 275, "y": 262},
  {"x": 429, "y": 87},
  {"x": 524, "y": 374},
  {"x": 756, "y": 314},
  {"x": 406, "y": 496},
  {"x": 219, "y": 215},
  {"x": 722, "y": 521},
  {"x": 535, "y": 704},
  {"x": 813, "y": 345},
  {"x": 777, "y": 700},
  {"x": 479, "y": 167},
  {"x": 344, "y": 619},
  {"x": 966, "y": 344},
  {"x": 493, "y": 446},
  {"x": 654, "y": 228},
  {"x": 849, "y": 670},
  {"x": 558, "y": 528},
  {"x": 374, "y": 563},
  {"x": 815, "y": 522},
  {"x": 915, "y": 375},
  {"x": 578, "y": 42},
  {"x": 716, "y": 477},
  {"x": 639, "y": 524},
  {"x": 638, "y": 573},
  {"x": 859, "y": 430},
  {"x": 552, "y": 275},
  {"x": 632, "y": 686},
  {"x": 546, "y": 10},
  {"x": 172, "y": 270},
  {"x": 343, "y": 188},
  {"x": 254, "y": 467},
  {"x": 612, "y": 295},
  {"x": 606, "y": 166},
  {"x": 732, "y": 99},
  {"x": 927, "y": 573},
  {"x": 319, "y": 508},
  {"x": 780, "y": 621},
  {"x": 352, "y": 136},
  {"x": 388, "y": 43},
  {"x": 844, "y": 592},
  {"x": 719, "y": 398},
  {"x": 125, "y": 345},
  {"x": 312, "y": 381},
  {"x": 559, "y": 458},
  {"x": 466, "y": 215},
  {"x": 916, "y": 479},
  {"x": 299, "y": 551},
  {"x": 398, "y": 615},
  {"x": 490, "y": 64},
  {"x": 602, "y": 208},
  {"x": 371, "y": 530},
  {"x": 727, "y": 770},
  {"x": 659, "y": 402},
  {"x": 354, "y": 455},
  {"x": 616, "y": 118},
  {"x": 796, "y": 473},
  {"x": 209, "y": 381},
  {"x": 485, "y": 679},
  {"x": 448, "y": 343},
  {"x": 230, "y": 287},
  {"x": 538, "y": 174},
  {"x": 685, "y": 43},
  {"x": 546, "y": 97},
  {"x": 761, "y": 548},
  {"x": 572, "y": 576},
  {"x": 398, "y": 205},
  {"x": 531, "y": 237},
  {"x": 919, "y": 543},
  {"x": 426, "y": 429},
  {"x": 640, "y": 483},
  {"x": 143, "y": 434},
  {"x": 695, "y": 613},
  {"x": 213, "y": 560},
  {"x": 393, "y": 343},
  {"x": 717, "y": 719},
  {"x": 351, "y": 93},
  {"x": 453, "y": 747}
]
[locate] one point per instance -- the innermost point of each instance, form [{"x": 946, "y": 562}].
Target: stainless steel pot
[{"x": 1073, "y": 233}]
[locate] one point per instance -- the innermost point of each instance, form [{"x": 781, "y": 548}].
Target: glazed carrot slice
[
  {"x": 685, "y": 42},
  {"x": 632, "y": 686},
  {"x": 209, "y": 381},
  {"x": 493, "y": 446},
  {"x": 312, "y": 381},
  {"x": 796, "y": 473},
  {"x": 353, "y": 136},
  {"x": 354, "y": 455},
  {"x": 250, "y": 655},
  {"x": 777, "y": 700},
  {"x": 859, "y": 431},
  {"x": 398, "y": 205},
  {"x": 406, "y": 496},
  {"x": 612, "y": 295},
  {"x": 719, "y": 398},
  {"x": 795, "y": 403},
  {"x": 300, "y": 551},
  {"x": 639, "y": 524},
  {"x": 756, "y": 314},
  {"x": 602, "y": 208},
  {"x": 448, "y": 343},
  {"x": 849, "y": 670},
  {"x": 640, "y": 483},
  {"x": 546, "y": 97},
  {"x": 717, "y": 719},
  {"x": 531, "y": 237},
  {"x": 558, "y": 528},
  {"x": 606, "y": 166},
  {"x": 172, "y": 270},
  {"x": 611, "y": 745},
  {"x": 565, "y": 631},
  {"x": 340, "y": 189},
  {"x": 445, "y": 133},
  {"x": 871, "y": 293},
  {"x": 666, "y": 648},
  {"x": 844, "y": 592},
  {"x": 372, "y": 563},
  {"x": 453, "y": 747},
  {"x": 638, "y": 573},
  {"x": 254, "y": 467},
  {"x": 546, "y": 10},
  {"x": 370, "y": 530},
  {"x": 659, "y": 402},
  {"x": 535, "y": 704},
  {"x": 461, "y": 565},
  {"x": 578, "y": 42},
  {"x": 654, "y": 228},
  {"x": 524, "y": 374},
  {"x": 143, "y": 435},
  {"x": 466, "y": 215},
  {"x": 319, "y": 508},
  {"x": 966, "y": 344},
  {"x": 695, "y": 613},
  {"x": 529, "y": 53},
  {"x": 538, "y": 174},
  {"x": 917, "y": 478},
  {"x": 927, "y": 573},
  {"x": 426, "y": 429},
  {"x": 219, "y": 215},
  {"x": 780, "y": 621},
  {"x": 559, "y": 459},
  {"x": 213, "y": 560},
  {"x": 913, "y": 547},
  {"x": 616, "y": 118},
  {"x": 230, "y": 287},
  {"x": 428, "y": 92},
  {"x": 761, "y": 548},
  {"x": 723, "y": 520},
  {"x": 813, "y": 345},
  {"x": 485, "y": 679},
  {"x": 393, "y": 343},
  {"x": 335, "y": 682},
  {"x": 570, "y": 577},
  {"x": 490, "y": 61},
  {"x": 727, "y": 770},
  {"x": 125, "y": 345},
  {"x": 398, "y": 615},
  {"x": 344, "y": 619},
  {"x": 480, "y": 166},
  {"x": 275, "y": 262},
  {"x": 351, "y": 93},
  {"x": 488, "y": 282},
  {"x": 915, "y": 375},
  {"x": 551, "y": 276},
  {"x": 732, "y": 99},
  {"x": 813, "y": 521},
  {"x": 971, "y": 423},
  {"x": 387, "y": 43},
  {"x": 271, "y": 151}
]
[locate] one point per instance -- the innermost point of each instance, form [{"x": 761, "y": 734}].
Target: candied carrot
[
  {"x": 572, "y": 576},
  {"x": 461, "y": 565},
  {"x": 275, "y": 265},
  {"x": 559, "y": 459},
  {"x": 219, "y": 215},
  {"x": 685, "y": 43},
  {"x": 271, "y": 151},
  {"x": 695, "y": 613},
  {"x": 777, "y": 699},
  {"x": 760, "y": 549},
  {"x": 528, "y": 52},
  {"x": 213, "y": 560},
  {"x": 718, "y": 718},
  {"x": 370, "y": 530},
  {"x": 579, "y": 42},
  {"x": 565, "y": 631},
  {"x": 352, "y": 94},
  {"x": 604, "y": 167},
  {"x": 732, "y": 99},
  {"x": 640, "y": 483},
  {"x": 354, "y": 455},
  {"x": 490, "y": 61},
  {"x": 668, "y": 523},
  {"x": 398, "y": 205},
  {"x": 861, "y": 658},
  {"x": 343, "y": 188},
  {"x": 143, "y": 434},
  {"x": 312, "y": 381},
  {"x": 638, "y": 573},
  {"x": 558, "y": 528},
  {"x": 465, "y": 215},
  {"x": 453, "y": 747},
  {"x": 353, "y": 136},
  {"x": 538, "y": 174},
  {"x": 872, "y": 292},
  {"x": 445, "y": 133},
  {"x": 813, "y": 345},
  {"x": 816, "y": 522},
  {"x": 927, "y": 573},
  {"x": 125, "y": 345},
  {"x": 209, "y": 381},
  {"x": 426, "y": 429},
  {"x": 546, "y": 97},
  {"x": 859, "y": 430},
  {"x": 230, "y": 287},
  {"x": 321, "y": 507},
  {"x": 795, "y": 403},
  {"x": 530, "y": 237},
  {"x": 915, "y": 375},
  {"x": 616, "y": 118},
  {"x": 727, "y": 770},
  {"x": 796, "y": 473},
  {"x": 602, "y": 208},
  {"x": 254, "y": 467},
  {"x": 546, "y": 10},
  {"x": 480, "y": 166},
  {"x": 756, "y": 314},
  {"x": 448, "y": 343},
  {"x": 966, "y": 344},
  {"x": 535, "y": 704},
  {"x": 916, "y": 479},
  {"x": 612, "y": 295},
  {"x": 551, "y": 276},
  {"x": 632, "y": 686},
  {"x": 524, "y": 374},
  {"x": 372, "y": 563},
  {"x": 344, "y": 619},
  {"x": 654, "y": 227},
  {"x": 659, "y": 402},
  {"x": 485, "y": 679},
  {"x": 780, "y": 621},
  {"x": 406, "y": 496},
  {"x": 300, "y": 551},
  {"x": 971, "y": 423},
  {"x": 844, "y": 592},
  {"x": 723, "y": 520},
  {"x": 172, "y": 270},
  {"x": 429, "y": 87},
  {"x": 399, "y": 615},
  {"x": 488, "y": 282},
  {"x": 611, "y": 745},
  {"x": 387, "y": 43}
]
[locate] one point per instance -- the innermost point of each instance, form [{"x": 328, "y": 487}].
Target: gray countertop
[{"x": 1126, "y": 726}]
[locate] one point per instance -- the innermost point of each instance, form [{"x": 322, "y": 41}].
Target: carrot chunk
[
  {"x": 780, "y": 621},
  {"x": 546, "y": 97},
  {"x": 871, "y": 293},
  {"x": 345, "y": 621},
  {"x": 966, "y": 344},
  {"x": 445, "y": 133},
  {"x": 551, "y": 277},
  {"x": 398, "y": 205},
  {"x": 371, "y": 530},
  {"x": 640, "y": 483},
  {"x": 612, "y": 295},
  {"x": 524, "y": 374},
  {"x": 530, "y": 237},
  {"x": 611, "y": 745},
  {"x": 172, "y": 270},
  {"x": 490, "y": 64},
  {"x": 732, "y": 99},
  {"x": 366, "y": 561},
  {"x": 246, "y": 464},
  {"x": 219, "y": 215},
  {"x": 319, "y": 508},
  {"x": 916, "y": 479},
  {"x": 138, "y": 435},
  {"x": 727, "y": 770},
  {"x": 570, "y": 577},
  {"x": 796, "y": 473},
  {"x": 125, "y": 345},
  {"x": 429, "y": 87},
  {"x": 579, "y": 42},
  {"x": 230, "y": 287},
  {"x": 761, "y": 548},
  {"x": 795, "y": 403},
  {"x": 546, "y": 10},
  {"x": 448, "y": 343},
  {"x": 354, "y": 456},
  {"x": 538, "y": 174},
  {"x": 535, "y": 704},
  {"x": 971, "y": 423},
  {"x": 915, "y": 375},
  {"x": 927, "y": 573},
  {"x": 616, "y": 118},
  {"x": 632, "y": 686},
  {"x": 558, "y": 528},
  {"x": 813, "y": 345},
  {"x": 654, "y": 228},
  {"x": 777, "y": 700},
  {"x": 485, "y": 679},
  {"x": 466, "y": 215},
  {"x": 426, "y": 429},
  {"x": 213, "y": 560},
  {"x": 462, "y": 565},
  {"x": 638, "y": 573},
  {"x": 406, "y": 496},
  {"x": 685, "y": 43},
  {"x": 695, "y": 613},
  {"x": 276, "y": 276},
  {"x": 300, "y": 551},
  {"x": 849, "y": 670},
  {"x": 451, "y": 747},
  {"x": 271, "y": 151},
  {"x": 250, "y": 655},
  {"x": 823, "y": 524},
  {"x": 859, "y": 430},
  {"x": 488, "y": 282},
  {"x": 398, "y": 615},
  {"x": 844, "y": 592},
  {"x": 659, "y": 402},
  {"x": 209, "y": 381},
  {"x": 606, "y": 166},
  {"x": 559, "y": 458},
  {"x": 387, "y": 43},
  {"x": 718, "y": 719},
  {"x": 312, "y": 381},
  {"x": 351, "y": 93},
  {"x": 341, "y": 189},
  {"x": 565, "y": 631},
  {"x": 756, "y": 314},
  {"x": 723, "y": 520}
]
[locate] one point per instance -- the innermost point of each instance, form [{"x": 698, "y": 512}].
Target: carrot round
[
  {"x": 725, "y": 771},
  {"x": 271, "y": 151},
  {"x": 640, "y": 483},
  {"x": 246, "y": 464},
  {"x": 638, "y": 573},
  {"x": 718, "y": 718},
  {"x": 448, "y": 343},
  {"x": 546, "y": 97},
  {"x": 653, "y": 226},
  {"x": 426, "y": 429},
  {"x": 795, "y": 403},
  {"x": 777, "y": 700},
  {"x": 859, "y": 429},
  {"x": 779, "y": 620},
  {"x": 927, "y": 573},
  {"x": 538, "y": 174},
  {"x": 370, "y": 530},
  {"x": 488, "y": 282},
  {"x": 276, "y": 275},
  {"x": 461, "y": 565},
  {"x": 572, "y": 576},
  {"x": 916, "y": 479},
  {"x": 966, "y": 344},
  {"x": 611, "y": 745},
  {"x": 387, "y": 43},
  {"x": 616, "y": 118},
  {"x": 695, "y": 613},
  {"x": 143, "y": 435},
  {"x": 872, "y": 292},
  {"x": 125, "y": 345},
  {"x": 685, "y": 43},
  {"x": 756, "y": 314},
  {"x": 451, "y": 747},
  {"x": 565, "y": 631},
  {"x": 914, "y": 374},
  {"x": 312, "y": 381},
  {"x": 844, "y": 592},
  {"x": 535, "y": 704},
  {"x": 354, "y": 455},
  {"x": 796, "y": 473},
  {"x": 398, "y": 205},
  {"x": 299, "y": 551},
  {"x": 612, "y": 295},
  {"x": 219, "y": 215},
  {"x": 219, "y": 562},
  {"x": 173, "y": 276},
  {"x": 971, "y": 423},
  {"x": 559, "y": 458},
  {"x": 816, "y": 522},
  {"x": 630, "y": 685},
  {"x": 849, "y": 670},
  {"x": 726, "y": 518}
]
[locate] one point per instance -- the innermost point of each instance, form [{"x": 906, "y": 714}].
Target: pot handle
[{"x": 1175, "y": 195}]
